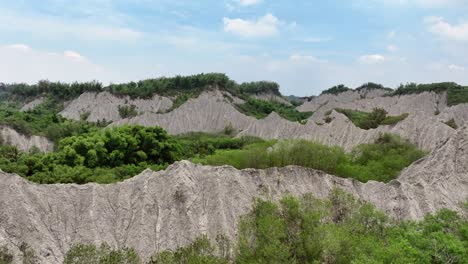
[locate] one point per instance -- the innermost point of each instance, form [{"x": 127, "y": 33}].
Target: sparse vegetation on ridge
[
  {"x": 261, "y": 109},
  {"x": 371, "y": 120},
  {"x": 337, "y": 89}
]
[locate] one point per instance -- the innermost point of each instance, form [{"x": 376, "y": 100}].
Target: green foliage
[
  {"x": 202, "y": 144},
  {"x": 371, "y": 86},
  {"x": 258, "y": 88},
  {"x": 103, "y": 156},
  {"x": 200, "y": 251},
  {"x": 335, "y": 90},
  {"x": 456, "y": 94},
  {"x": 126, "y": 111},
  {"x": 5, "y": 255},
  {"x": 381, "y": 161},
  {"x": 171, "y": 86},
  {"x": 44, "y": 120},
  {"x": 343, "y": 230},
  {"x": 112, "y": 155},
  {"x": 57, "y": 90},
  {"x": 414, "y": 88},
  {"x": 338, "y": 229},
  {"x": 90, "y": 254},
  {"x": 452, "y": 123},
  {"x": 261, "y": 109},
  {"x": 371, "y": 120}
]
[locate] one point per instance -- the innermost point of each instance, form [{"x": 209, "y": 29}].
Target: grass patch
[
  {"x": 261, "y": 109},
  {"x": 371, "y": 120},
  {"x": 380, "y": 161}
]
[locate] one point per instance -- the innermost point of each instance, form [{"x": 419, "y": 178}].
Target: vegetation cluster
[
  {"x": 380, "y": 161},
  {"x": 261, "y": 109},
  {"x": 338, "y": 229},
  {"x": 374, "y": 119}
]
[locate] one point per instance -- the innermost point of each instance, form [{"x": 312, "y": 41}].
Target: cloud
[
  {"x": 265, "y": 26},
  {"x": 302, "y": 58},
  {"x": 35, "y": 65},
  {"x": 73, "y": 55},
  {"x": 249, "y": 2},
  {"x": 391, "y": 35},
  {"x": 454, "y": 67},
  {"x": 438, "y": 26},
  {"x": 372, "y": 59},
  {"x": 51, "y": 27},
  {"x": 21, "y": 47},
  {"x": 392, "y": 48}
]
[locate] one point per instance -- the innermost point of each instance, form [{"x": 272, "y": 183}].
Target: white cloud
[
  {"x": 21, "y": 47},
  {"x": 265, "y": 26},
  {"x": 454, "y": 67},
  {"x": 51, "y": 27},
  {"x": 35, "y": 65},
  {"x": 440, "y": 27},
  {"x": 302, "y": 58},
  {"x": 392, "y": 48},
  {"x": 249, "y": 2},
  {"x": 73, "y": 55},
  {"x": 372, "y": 59}
]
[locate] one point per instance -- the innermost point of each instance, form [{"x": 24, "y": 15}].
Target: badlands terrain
[{"x": 169, "y": 208}]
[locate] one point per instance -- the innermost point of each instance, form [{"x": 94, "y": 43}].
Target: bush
[
  {"x": 261, "y": 109},
  {"x": 104, "y": 254},
  {"x": 452, "y": 123},
  {"x": 335, "y": 90},
  {"x": 5, "y": 255},
  {"x": 374, "y": 119},
  {"x": 126, "y": 111},
  {"x": 381, "y": 161}
]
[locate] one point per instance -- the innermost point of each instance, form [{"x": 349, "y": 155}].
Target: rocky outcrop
[
  {"x": 167, "y": 209},
  {"x": 105, "y": 106},
  {"x": 10, "y": 136},
  {"x": 33, "y": 104}
]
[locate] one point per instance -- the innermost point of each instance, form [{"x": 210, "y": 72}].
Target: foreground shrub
[{"x": 338, "y": 229}]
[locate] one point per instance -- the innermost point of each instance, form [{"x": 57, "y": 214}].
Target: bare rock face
[
  {"x": 33, "y": 104},
  {"x": 163, "y": 210},
  {"x": 105, "y": 106},
  {"x": 23, "y": 142}
]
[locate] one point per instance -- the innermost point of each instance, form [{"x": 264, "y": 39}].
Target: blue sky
[{"x": 305, "y": 46}]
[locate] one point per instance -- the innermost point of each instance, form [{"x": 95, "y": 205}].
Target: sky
[{"x": 306, "y": 46}]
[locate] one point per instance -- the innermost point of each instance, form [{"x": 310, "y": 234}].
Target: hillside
[
  {"x": 162, "y": 210},
  {"x": 92, "y": 133}
]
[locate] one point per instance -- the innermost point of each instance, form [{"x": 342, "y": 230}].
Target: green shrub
[
  {"x": 5, "y": 255},
  {"x": 104, "y": 254},
  {"x": 371, "y": 120},
  {"x": 452, "y": 123},
  {"x": 126, "y": 111},
  {"x": 335, "y": 90},
  {"x": 381, "y": 161},
  {"x": 261, "y": 109}
]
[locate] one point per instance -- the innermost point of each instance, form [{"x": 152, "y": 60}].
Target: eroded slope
[{"x": 163, "y": 210}]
